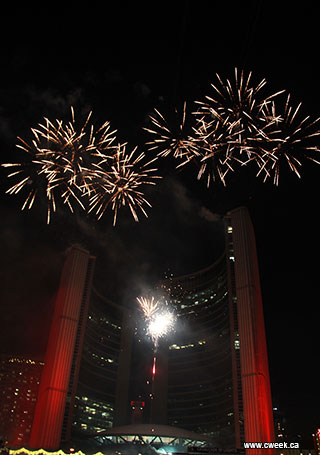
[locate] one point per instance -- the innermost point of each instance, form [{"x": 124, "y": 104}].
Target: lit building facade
[
  {"x": 216, "y": 373},
  {"x": 82, "y": 385},
  {"x": 200, "y": 380},
  {"x": 19, "y": 384},
  {"x": 102, "y": 392},
  {"x": 212, "y": 376}
]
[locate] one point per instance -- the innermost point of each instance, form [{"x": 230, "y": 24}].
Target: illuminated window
[{"x": 237, "y": 341}]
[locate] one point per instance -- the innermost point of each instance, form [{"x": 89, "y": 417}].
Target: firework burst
[
  {"x": 160, "y": 325},
  {"x": 228, "y": 128},
  {"x": 118, "y": 181},
  {"x": 172, "y": 140},
  {"x": 59, "y": 162},
  {"x": 212, "y": 151},
  {"x": 292, "y": 142},
  {"x": 241, "y": 108},
  {"x": 233, "y": 126},
  {"x": 160, "y": 320}
]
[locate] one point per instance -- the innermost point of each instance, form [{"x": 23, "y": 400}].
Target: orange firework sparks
[
  {"x": 148, "y": 306},
  {"x": 233, "y": 125},
  {"x": 227, "y": 128},
  {"x": 292, "y": 141},
  {"x": 59, "y": 162},
  {"x": 213, "y": 151},
  {"x": 119, "y": 181},
  {"x": 170, "y": 140},
  {"x": 238, "y": 124}
]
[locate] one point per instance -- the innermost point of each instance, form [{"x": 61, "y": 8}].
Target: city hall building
[{"x": 212, "y": 376}]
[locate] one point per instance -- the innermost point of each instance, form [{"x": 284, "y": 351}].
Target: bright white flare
[
  {"x": 160, "y": 324},
  {"x": 159, "y": 320}
]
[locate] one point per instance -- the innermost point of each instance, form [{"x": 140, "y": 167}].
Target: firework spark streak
[
  {"x": 292, "y": 142},
  {"x": 59, "y": 162},
  {"x": 148, "y": 306},
  {"x": 160, "y": 322},
  {"x": 232, "y": 126},
  {"x": 118, "y": 182},
  {"x": 174, "y": 140},
  {"x": 236, "y": 125},
  {"x": 212, "y": 150}
]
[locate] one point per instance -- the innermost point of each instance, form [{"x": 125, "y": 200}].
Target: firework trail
[
  {"x": 118, "y": 181},
  {"x": 160, "y": 322},
  {"x": 59, "y": 160}
]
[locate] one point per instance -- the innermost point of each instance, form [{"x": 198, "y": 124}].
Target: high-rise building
[
  {"x": 211, "y": 376},
  {"x": 248, "y": 320},
  {"x": 63, "y": 354},
  {"x": 215, "y": 379},
  {"x": 102, "y": 400},
  {"x": 19, "y": 384},
  {"x": 82, "y": 385},
  {"x": 85, "y": 381}
]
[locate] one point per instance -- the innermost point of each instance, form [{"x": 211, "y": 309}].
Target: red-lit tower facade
[
  {"x": 248, "y": 327},
  {"x": 63, "y": 354}
]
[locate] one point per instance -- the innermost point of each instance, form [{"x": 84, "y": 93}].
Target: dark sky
[{"x": 121, "y": 63}]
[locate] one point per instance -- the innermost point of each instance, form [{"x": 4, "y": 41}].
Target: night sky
[{"x": 121, "y": 64}]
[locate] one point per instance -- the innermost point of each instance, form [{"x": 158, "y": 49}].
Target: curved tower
[
  {"x": 218, "y": 376},
  {"x": 200, "y": 379},
  {"x": 101, "y": 398}
]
